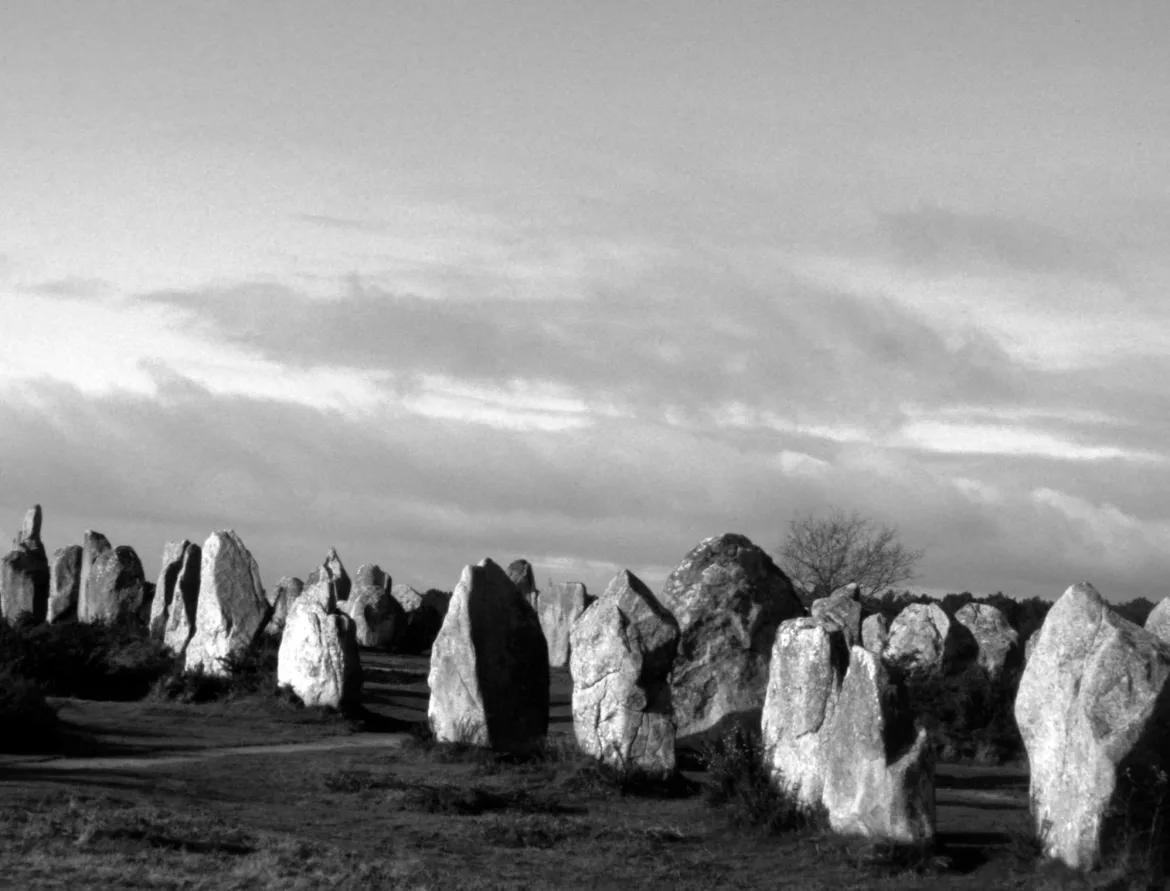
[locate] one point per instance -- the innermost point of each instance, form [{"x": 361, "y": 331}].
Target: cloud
[{"x": 1001, "y": 439}]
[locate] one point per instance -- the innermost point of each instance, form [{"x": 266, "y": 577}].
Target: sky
[{"x": 587, "y": 283}]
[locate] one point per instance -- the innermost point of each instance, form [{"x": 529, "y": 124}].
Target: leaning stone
[
  {"x": 808, "y": 662},
  {"x": 318, "y": 656},
  {"x": 558, "y": 608},
  {"x": 728, "y": 598},
  {"x": 875, "y": 632},
  {"x": 520, "y": 572},
  {"x": 489, "y": 666},
  {"x": 287, "y": 590},
  {"x": 879, "y": 769},
  {"x": 379, "y": 618},
  {"x": 64, "y": 584},
  {"x": 997, "y": 641},
  {"x": 621, "y": 655},
  {"x": 93, "y": 545},
  {"x": 116, "y": 587},
  {"x": 841, "y": 609},
  {"x": 1093, "y": 707},
  {"x": 231, "y": 609}
]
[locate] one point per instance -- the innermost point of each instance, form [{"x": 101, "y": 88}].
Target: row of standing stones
[{"x": 727, "y": 640}]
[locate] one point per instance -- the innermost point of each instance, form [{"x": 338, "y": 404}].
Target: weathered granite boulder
[
  {"x": 489, "y": 666},
  {"x": 318, "y": 656},
  {"x": 379, "y": 618},
  {"x": 841, "y": 609},
  {"x": 923, "y": 641},
  {"x": 184, "y": 583},
  {"x": 424, "y": 614},
  {"x": 93, "y": 545},
  {"x": 1158, "y": 621},
  {"x": 879, "y": 769},
  {"x": 24, "y": 585},
  {"x": 173, "y": 558},
  {"x": 997, "y": 642},
  {"x": 728, "y": 598},
  {"x": 64, "y": 584},
  {"x": 287, "y": 590},
  {"x": 116, "y": 587},
  {"x": 809, "y": 661},
  {"x": 875, "y": 632},
  {"x": 520, "y": 572},
  {"x": 231, "y": 609},
  {"x": 1093, "y": 708},
  {"x": 558, "y": 608},
  {"x": 621, "y": 654}
]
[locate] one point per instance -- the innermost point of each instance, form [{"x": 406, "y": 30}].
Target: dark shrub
[
  {"x": 87, "y": 661},
  {"x": 27, "y": 722},
  {"x": 250, "y": 673},
  {"x": 741, "y": 785},
  {"x": 970, "y": 715}
]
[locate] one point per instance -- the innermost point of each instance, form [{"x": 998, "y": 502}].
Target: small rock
[
  {"x": 489, "y": 666},
  {"x": 621, "y": 655},
  {"x": 558, "y": 608}
]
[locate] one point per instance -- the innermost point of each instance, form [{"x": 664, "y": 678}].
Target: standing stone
[
  {"x": 996, "y": 639},
  {"x": 287, "y": 590},
  {"x": 841, "y": 609},
  {"x": 338, "y": 574},
  {"x": 93, "y": 545},
  {"x": 558, "y": 609},
  {"x": 918, "y": 641},
  {"x": 116, "y": 587},
  {"x": 1158, "y": 621},
  {"x": 489, "y": 666},
  {"x": 184, "y": 586},
  {"x": 1093, "y": 708},
  {"x": 520, "y": 572},
  {"x": 378, "y": 617},
  {"x": 231, "y": 609},
  {"x": 424, "y": 614},
  {"x": 1030, "y": 645},
  {"x": 318, "y": 656},
  {"x": 728, "y": 598},
  {"x": 809, "y": 661},
  {"x": 875, "y": 632},
  {"x": 24, "y": 585},
  {"x": 164, "y": 588},
  {"x": 64, "y": 584},
  {"x": 622, "y": 651},
  {"x": 879, "y": 769},
  {"x": 30, "y": 529}
]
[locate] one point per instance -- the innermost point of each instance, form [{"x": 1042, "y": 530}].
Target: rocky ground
[{"x": 239, "y": 795}]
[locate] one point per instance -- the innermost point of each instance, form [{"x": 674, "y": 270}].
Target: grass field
[{"x": 254, "y": 794}]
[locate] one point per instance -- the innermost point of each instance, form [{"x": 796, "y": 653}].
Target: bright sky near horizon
[{"x": 587, "y": 283}]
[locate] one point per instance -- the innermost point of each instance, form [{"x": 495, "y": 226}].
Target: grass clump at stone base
[
  {"x": 742, "y": 786},
  {"x": 251, "y": 672},
  {"x": 98, "y": 661},
  {"x": 27, "y": 722}
]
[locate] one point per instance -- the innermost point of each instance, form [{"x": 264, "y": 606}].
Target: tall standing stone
[
  {"x": 875, "y": 633},
  {"x": 318, "y": 656},
  {"x": 287, "y": 590},
  {"x": 93, "y": 545},
  {"x": 116, "y": 587},
  {"x": 30, "y": 528},
  {"x": 25, "y": 578},
  {"x": 184, "y": 585},
  {"x": 1093, "y": 707},
  {"x": 337, "y": 572},
  {"x": 622, "y": 651},
  {"x": 558, "y": 608},
  {"x": 728, "y": 598},
  {"x": 231, "y": 609},
  {"x": 378, "y": 617},
  {"x": 64, "y": 584},
  {"x": 996, "y": 640},
  {"x": 164, "y": 588},
  {"x": 489, "y": 666}
]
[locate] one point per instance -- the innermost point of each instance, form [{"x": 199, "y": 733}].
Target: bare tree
[{"x": 824, "y": 553}]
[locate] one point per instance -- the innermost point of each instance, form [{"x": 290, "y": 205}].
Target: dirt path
[{"x": 117, "y": 762}]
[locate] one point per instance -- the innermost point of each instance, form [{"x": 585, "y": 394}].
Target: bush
[
  {"x": 27, "y": 722},
  {"x": 742, "y": 786},
  {"x": 970, "y": 715},
  {"x": 87, "y": 661},
  {"x": 249, "y": 673}
]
